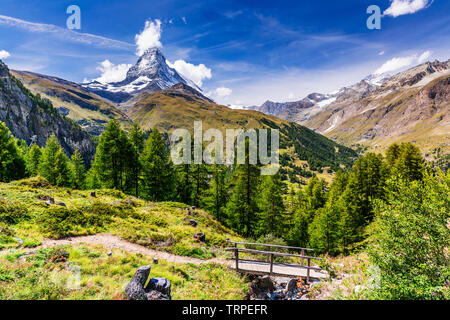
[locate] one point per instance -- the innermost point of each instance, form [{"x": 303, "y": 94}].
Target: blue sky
[{"x": 242, "y": 52}]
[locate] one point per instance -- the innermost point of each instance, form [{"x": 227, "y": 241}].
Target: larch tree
[
  {"x": 12, "y": 163},
  {"x": 157, "y": 170}
]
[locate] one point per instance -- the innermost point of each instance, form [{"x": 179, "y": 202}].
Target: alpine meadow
[{"x": 225, "y": 151}]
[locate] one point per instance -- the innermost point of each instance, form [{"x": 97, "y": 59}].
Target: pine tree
[
  {"x": 78, "y": 171},
  {"x": 48, "y": 168},
  {"x": 12, "y": 163},
  {"x": 200, "y": 182},
  {"x": 111, "y": 156},
  {"x": 324, "y": 230},
  {"x": 134, "y": 167},
  {"x": 157, "y": 170},
  {"x": 92, "y": 179},
  {"x": 243, "y": 207},
  {"x": 62, "y": 168},
  {"x": 184, "y": 187},
  {"x": 217, "y": 196},
  {"x": 272, "y": 216},
  {"x": 34, "y": 160}
]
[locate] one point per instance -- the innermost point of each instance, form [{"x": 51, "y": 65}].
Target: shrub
[
  {"x": 34, "y": 183},
  {"x": 60, "y": 222},
  {"x": 12, "y": 213}
]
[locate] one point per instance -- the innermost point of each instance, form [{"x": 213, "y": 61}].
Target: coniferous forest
[{"x": 394, "y": 206}]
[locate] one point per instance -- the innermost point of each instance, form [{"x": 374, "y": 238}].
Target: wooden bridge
[{"x": 270, "y": 267}]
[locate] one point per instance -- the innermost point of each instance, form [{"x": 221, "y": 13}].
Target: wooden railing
[{"x": 272, "y": 254}]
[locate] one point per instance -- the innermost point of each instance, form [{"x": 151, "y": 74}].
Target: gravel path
[{"x": 114, "y": 242}]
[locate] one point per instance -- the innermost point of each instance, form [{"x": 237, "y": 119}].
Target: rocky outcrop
[
  {"x": 31, "y": 118},
  {"x": 267, "y": 288},
  {"x": 156, "y": 289}
]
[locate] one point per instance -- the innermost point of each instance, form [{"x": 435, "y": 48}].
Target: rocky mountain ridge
[{"x": 33, "y": 119}]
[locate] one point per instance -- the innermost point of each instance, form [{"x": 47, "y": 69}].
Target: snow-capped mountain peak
[{"x": 150, "y": 73}]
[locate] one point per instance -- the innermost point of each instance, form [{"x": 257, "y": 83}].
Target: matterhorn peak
[{"x": 150, "y": 73}]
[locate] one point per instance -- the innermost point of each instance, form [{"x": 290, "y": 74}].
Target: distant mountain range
[
  {"x": 413, "y": 105},
  {"x": 157, "y": 104}
]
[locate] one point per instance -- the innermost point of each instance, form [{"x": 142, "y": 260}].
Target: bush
[
  {"x": 12, "y": 213},
  {"x": 61, "y": 222},
  {"x": 34, "y": 183}
]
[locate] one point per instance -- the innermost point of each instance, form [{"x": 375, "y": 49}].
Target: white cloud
[
  {"x": 424, "y": 56},
  {"x": 112, "y": 72},
  {"x": 195, "y": 73},
  {"x": 395, "y": 64},
  {"x": 4, "y": 54},
  {"x": 64, "y": 33},
  {"x": 401, "y": 7},
  {"x": 149, "y": 38},
  {"x": 223, "y": 92},
  {"x": 398, "y": 63},
  {"x": 381, "y": 53}
]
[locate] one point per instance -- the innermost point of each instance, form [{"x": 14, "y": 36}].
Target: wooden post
[
  {"x": 307, "y": 271},
  {"x": 236, "y": 256},
  {"x": 271, "y": 263},
  {"x": 302, "y": 253},
  {"x": 268, "y": 256}
]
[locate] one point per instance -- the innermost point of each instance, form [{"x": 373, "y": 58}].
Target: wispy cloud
[
  {"x": 65, "y": 34},
  {"x": 398, "y": 63}
]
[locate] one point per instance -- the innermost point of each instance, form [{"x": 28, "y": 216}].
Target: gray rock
[
  {"x": 193, "y": 223},
  {"x": 292, "y": 285},
  {"x": 200, "y": 237},
  {"x": 159, "y": 284},
  {"x": 135, "y": 289},
  {"x": 157, "y": 288},
  {"x": 261, "y": 288}
]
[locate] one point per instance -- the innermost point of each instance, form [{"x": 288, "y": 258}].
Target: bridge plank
[{"x": 280, "y": 270}]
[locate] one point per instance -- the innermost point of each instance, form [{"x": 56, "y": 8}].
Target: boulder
[
  {"x": 159, "y": 284},
  {"x": 292, "y": 285},
  {"x": 157, "y": 288},
  {"x": 200, "y": 237},
  {"x": 261, "y": 288},
  {"x": 135, "y": 288}
]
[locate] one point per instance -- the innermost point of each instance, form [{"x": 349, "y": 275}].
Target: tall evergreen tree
[
  {"x": 12, "y": 163},
  {"x": 200, "y": 182},
  {"x": 111, "y": 157},
  {"x": 134, "y": 166},
  {"x": 184, "y": 186},
  {"x": 217, "y": 196},
  {"x": 272, "y": 217},
  {"x": 62, "y": 169},
  {"x": 78, "y": 171},
  {"x": 157, "y": 170},
  {"x": 324, "y": 230},
  {"x": 55, "y": 164},
  {"x": 34, "y": 156},
  {"x": 243, "y": 207}
]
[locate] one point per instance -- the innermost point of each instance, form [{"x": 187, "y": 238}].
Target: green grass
[
  {"x": 24, "y": 214},
  {"x": 52, "y": 274}
]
